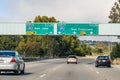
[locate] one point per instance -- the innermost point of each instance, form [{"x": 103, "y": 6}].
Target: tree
[
  {"x": 115, "y": 18},
  {"x": 115, "y": 52},
  {"x": 115, "y": 13},
  {"x": 38, "y": 19},
  {"x": 86, "y": 49},
  {"x": 45, "y": 19},
  {"x": 52, "y": 19},
  {"x": 8, "y": 42}
]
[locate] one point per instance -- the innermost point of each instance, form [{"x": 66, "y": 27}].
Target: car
[
  {"x": 103, "y": 61},
  {"x": 11, "y": 61},
  {"x": 72, "y": 59}
]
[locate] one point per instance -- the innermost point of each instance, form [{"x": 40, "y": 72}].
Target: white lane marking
[
  {"x": 97, "y": 72},
  {"x": 92, "y": 69},
  {"x": 43, "y": 75}
]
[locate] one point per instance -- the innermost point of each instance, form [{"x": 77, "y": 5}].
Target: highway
[{"x": 58, "y": 69}]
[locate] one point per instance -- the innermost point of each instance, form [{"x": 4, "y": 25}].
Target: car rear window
[
  {"x": 7, "y": 54},
  {"x": 72, "y": 56},
  {"x": 103, "y": 57}
]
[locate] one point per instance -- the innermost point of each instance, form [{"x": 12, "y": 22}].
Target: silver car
[
  {"x": 72, "y": 59},
  {"x": 11, "y": 61}
]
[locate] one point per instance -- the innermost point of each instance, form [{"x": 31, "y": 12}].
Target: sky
[{"x": 80, "y": 11}]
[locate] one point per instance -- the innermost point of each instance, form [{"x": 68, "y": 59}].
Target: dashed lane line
[
  {"x": 41, "y": 76},
  {"x": 93, "y": 69},
  {"x": 97, "y": 72}
]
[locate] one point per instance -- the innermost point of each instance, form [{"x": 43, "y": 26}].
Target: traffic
[
  {"x": 59, "y": 58},
  {"x": 55, "y": 69},
  {"x": 60, "y": 40}
]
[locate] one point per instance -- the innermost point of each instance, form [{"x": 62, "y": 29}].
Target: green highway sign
[
  {"x": 61, "y": 28},
  {"x": 40, "y": 28},
  {"x": 77, "y": 29}
]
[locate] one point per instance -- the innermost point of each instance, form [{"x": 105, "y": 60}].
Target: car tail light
[
  {"x": 99, "y": 60},
  {"x": 108, "y": 60},
  {"x": 13, "y": 60}
]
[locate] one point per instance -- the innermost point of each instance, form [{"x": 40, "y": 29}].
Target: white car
[
  {"x": 72, "y": 59},
  {"x": 11, "y": 61}
]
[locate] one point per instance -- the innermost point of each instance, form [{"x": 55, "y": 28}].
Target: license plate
[{"x": 103, "y": 60}]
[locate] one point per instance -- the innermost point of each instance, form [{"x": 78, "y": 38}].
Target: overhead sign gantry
[{"x": 59, "y": 29}]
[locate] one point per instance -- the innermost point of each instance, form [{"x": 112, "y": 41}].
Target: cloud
[{"x": 63, "y": 10}]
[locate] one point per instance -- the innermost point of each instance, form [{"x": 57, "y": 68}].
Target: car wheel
[
  {"x": 17, "y": 71},
  {"x": 76, "y": 62},
  {"x": 109, "y": 66},
  {"x": 96, "y": 65},
  {"x": 67, "y": 62},
  {"x": 23, "y": 71}
]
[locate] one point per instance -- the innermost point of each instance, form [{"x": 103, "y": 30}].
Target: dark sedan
[{"x": 103, "y": 61}]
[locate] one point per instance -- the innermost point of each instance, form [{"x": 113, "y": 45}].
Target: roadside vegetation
[
  {"x": 115, "y": 18},
  {"x": 115, "y": 54},
  {"x": 42, "y": 46}
]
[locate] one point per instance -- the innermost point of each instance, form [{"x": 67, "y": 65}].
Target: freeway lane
[{"x": 57, "y": 69}]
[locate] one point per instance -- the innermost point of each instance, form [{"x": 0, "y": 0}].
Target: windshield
[
  {"x": 103, "y": 57},
  {"x": 72, "y": 57},
  {"x": 7, "y": 54}
]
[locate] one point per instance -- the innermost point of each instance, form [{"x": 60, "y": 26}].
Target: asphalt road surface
[{"x": 58, "y": 69}]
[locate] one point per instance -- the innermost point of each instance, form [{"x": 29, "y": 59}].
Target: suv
[
  {"x": 11, "y": 61},
  {"x": 103, "y": 61}
]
